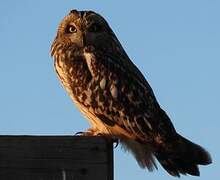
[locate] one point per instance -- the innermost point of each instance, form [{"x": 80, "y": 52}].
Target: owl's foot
[
  {"x": 110, "y": 138},
  {"x": 88, "y": 132},
  {"x": 95, "y": 132}
]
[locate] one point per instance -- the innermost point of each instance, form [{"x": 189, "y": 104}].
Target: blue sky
[{"x": 176, "y": 44}]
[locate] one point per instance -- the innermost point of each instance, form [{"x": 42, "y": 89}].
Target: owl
[{"x": 115, "y": 97}]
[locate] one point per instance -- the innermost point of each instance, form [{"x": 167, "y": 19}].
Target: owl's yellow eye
[
  {"x": 71, "y": 29},
  {"x": 95, "y": 27}
]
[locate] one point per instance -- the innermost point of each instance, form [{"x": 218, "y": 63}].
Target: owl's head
[{"x": 84, "y": 28}]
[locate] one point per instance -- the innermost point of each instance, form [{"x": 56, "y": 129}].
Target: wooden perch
[{"x": 55, "y": 158}]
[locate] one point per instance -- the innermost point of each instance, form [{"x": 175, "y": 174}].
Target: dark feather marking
[{"x": 104, "y": 119}]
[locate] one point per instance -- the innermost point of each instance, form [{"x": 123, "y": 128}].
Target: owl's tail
[{"x": 182, "y": 157}]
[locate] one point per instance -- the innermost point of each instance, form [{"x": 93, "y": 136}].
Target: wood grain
[{"x": 55, "y": 158}]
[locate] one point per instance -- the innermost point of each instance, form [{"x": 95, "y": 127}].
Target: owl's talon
[
  {"x": 100, "y": 134},
  {"x": 80, "y": 133},
  {"x": 115, "y": 142}
]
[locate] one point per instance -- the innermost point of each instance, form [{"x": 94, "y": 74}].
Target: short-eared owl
[{"x": 116, "y": 98}]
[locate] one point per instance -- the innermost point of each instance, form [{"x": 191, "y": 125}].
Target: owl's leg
[
  {"x": 96, "y": 132},
  {"x": 110, "y": 138},
  {"x": 89, "y": 132}
]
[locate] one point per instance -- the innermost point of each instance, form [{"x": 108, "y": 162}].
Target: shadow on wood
[{"x": 55, "y": 158}]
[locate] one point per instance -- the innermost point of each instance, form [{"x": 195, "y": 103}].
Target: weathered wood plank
[{"x": 55, "y": 157}]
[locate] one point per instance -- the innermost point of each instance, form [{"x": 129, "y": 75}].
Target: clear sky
[{"x": 176, "y": 44}]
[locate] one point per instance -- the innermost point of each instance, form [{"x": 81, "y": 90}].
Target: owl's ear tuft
[{"x": 73, "y": 11}]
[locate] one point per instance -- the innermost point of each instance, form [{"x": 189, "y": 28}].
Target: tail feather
[
  {"x": 175, "y": 167},
  {"x": 142, "y": 153},
  {"x": 182, "y": 157},
  {"x": 179, "y": 156}
]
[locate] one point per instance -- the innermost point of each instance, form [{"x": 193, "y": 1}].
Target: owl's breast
[{"x": 74, "y": 74}]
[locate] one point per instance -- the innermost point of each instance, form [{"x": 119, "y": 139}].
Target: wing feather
[{"x": 134, "y": 101}]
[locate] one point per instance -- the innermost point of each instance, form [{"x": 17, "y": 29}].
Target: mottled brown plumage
[{"x": 115, "y": 97}]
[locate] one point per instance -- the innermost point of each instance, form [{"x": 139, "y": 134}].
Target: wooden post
[{"x": 55, "y": 158}]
